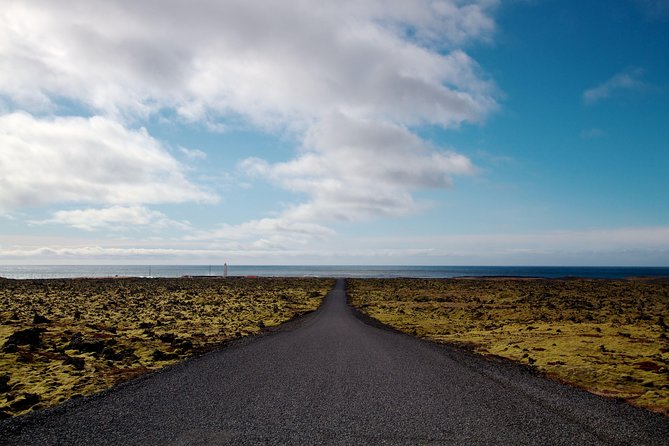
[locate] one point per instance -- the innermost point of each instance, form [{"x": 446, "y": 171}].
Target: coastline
[{"x": 326, "y": 271}]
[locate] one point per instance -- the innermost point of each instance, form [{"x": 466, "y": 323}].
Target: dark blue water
[{"x": 55, "y": 271}]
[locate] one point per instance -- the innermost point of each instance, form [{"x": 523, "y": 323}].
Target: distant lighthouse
[{"x": 225, "y": 270}]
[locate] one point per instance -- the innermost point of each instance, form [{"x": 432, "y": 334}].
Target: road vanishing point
[{"x": 333, "y": 377}]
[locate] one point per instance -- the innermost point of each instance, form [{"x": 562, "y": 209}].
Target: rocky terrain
[
  {"x": 607, "y": 336},
  {"x": 64, "y": 338}
]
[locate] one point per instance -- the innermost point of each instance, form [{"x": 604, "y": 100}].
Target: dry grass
[
  {"x": 99, "y": 332},
  {"x": 608, "y": 337}
]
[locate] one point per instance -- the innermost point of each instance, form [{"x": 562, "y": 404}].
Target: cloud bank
[
  {"x": 626, "y": 246},
  {"x": 349, "y": 81},
  {"x": 271, "y": 62}
]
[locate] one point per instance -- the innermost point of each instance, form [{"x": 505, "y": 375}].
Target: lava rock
[
  {"x": 112, "y": 355},
  {"x": 28, "y": 401},
  {"x": 80, "y": 344},
  {"x": 167, "y": 337},
  {"x": 186, "y": 344},
  {"x": 10, "y": 348},
  {"x": 29, "y": 336},
  {"x": 158, "y": 355},
  {"x": 77, "y": 363},
  {"x": 39, "y": 319},
  {"x": 4, "y": 383}
]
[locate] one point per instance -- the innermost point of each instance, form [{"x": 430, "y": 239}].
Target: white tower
[{"x": 225, "y": 270}]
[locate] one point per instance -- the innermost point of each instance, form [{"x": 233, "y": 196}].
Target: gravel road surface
[{"x": 331, "y": 378}]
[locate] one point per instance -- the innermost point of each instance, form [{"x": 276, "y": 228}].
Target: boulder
[
  {"x": 186, "y": 344},
  {"x": 167, "y": 338},
  {"x": 158, "y": 355},
  {"x": 29, "y": 336},
  {"x": 39, "y": 319},
  {"x": 28, "y": 401},
  {"x": 4, "y": 383},
  {"x": 112, "y": 355},
  {"x": 77, "y": 363},
  {"x": 80, "y": 344}
]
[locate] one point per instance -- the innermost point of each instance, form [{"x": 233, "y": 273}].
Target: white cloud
[
  {"x": 116, "y": 218},
  {"x": 86, "y": 160},
  {"x": 193, "y": 154},
  {"x": 270, "y": 61},
  {"x": 348, "y": 79},
  {"x": 625, "y": 81},
  {"x": 354, "y": 169}
]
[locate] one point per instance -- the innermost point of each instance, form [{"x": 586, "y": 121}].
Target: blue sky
[{"x": 375, "y": 132}]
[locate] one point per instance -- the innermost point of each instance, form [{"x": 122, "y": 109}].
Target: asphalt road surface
[{"x": 331, "y": 378}]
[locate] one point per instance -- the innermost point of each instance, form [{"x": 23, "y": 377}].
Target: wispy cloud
[
  {"x": 268, "y": 233},
  {"x": 115, "y": 218},
  {"x": 238, "y": 244},
  {"x": 193, "y": 154},
  {"x": 626, "y": 81}
]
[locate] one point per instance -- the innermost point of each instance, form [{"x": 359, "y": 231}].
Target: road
[{"x": 331, "y": 378}]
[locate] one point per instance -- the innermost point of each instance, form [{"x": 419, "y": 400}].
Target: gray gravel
[{"x": 331, "y": 378}]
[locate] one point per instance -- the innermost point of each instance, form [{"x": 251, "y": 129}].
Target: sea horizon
[{"x": 352, "y": 271}]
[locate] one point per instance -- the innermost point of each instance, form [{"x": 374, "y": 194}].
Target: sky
[{"x": 334, "y": 132}]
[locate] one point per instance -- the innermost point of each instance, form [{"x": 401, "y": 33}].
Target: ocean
[{"x": 353, "y": 271}]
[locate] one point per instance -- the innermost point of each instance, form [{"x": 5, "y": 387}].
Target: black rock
[
  {"x": 111, "y": 354},
  {"x": 158, "y": 355},
  {"x": 28, "y": 401},
  {"x": 4, "y": 383},
  {"x": 186, "y": 344},
  {"x": 39, "y": 319},
  {"x": 10, "y": 348},
  {"x": 167, "y": 337},
  {"x": 29, "y": 336},
  {"x": 77, "y": 363},
  {"x": 4, "y": 415},
  {"x": 80, "y": 344}
]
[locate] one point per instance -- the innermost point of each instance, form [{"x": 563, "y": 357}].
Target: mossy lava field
[
  {"x": 65, "y": 338},
  {"x": 609, "y": 337}
]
